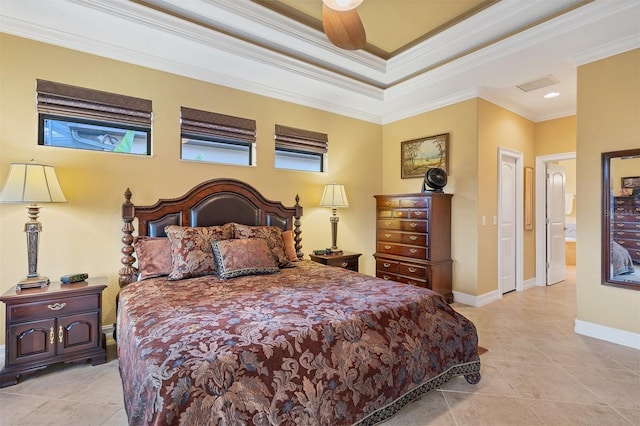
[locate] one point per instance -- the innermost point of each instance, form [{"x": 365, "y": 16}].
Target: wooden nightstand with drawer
[
  {"x": 345, "y": 260},
  {"x": 58, "y": 323}
]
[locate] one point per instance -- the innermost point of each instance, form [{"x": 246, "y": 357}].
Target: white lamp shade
[
  {"x": 342, "y": 5},
  {"x": 32, "y": 183},
  {"x": 334, "y": 196}
]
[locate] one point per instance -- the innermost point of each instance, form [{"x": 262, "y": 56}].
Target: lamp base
[{"x": 34, "y": 282}]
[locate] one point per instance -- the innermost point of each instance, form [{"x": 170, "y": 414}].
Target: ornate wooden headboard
[{"x": 214, "y": 202}]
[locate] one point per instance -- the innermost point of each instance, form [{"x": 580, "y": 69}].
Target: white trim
[
  {"x": 477, "y": 301},
  {"x": 530, "y": 283},
  {"x": 540, "y": 231},
  {"x": 519, "y": 235},
  {"x": 613, "y": 335}
]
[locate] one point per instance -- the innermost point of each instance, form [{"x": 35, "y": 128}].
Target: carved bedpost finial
[
  {"x": 296, "y": 228},
  {"x": 128, "y": 272}
]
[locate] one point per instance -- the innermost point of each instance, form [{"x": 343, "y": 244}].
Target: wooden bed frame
[{"x": 211, "y": 203}]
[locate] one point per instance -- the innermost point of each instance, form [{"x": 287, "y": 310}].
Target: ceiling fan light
[{"x": 342, "y": 5}]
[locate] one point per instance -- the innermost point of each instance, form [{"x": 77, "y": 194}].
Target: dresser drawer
[
  {"x": 412, "y": 238},
  {"x": 414, "y": 202},
  {"x": 626, "y": 235},
  {"x": 387, "y": 266},
  {"x": 387, "y": 202},
  {"x": 626, "y": 216},
  {"x": 402, "y": 279},
  {"x": 625, "y": 226},
  {"x": 411, "y": 214},
  {"x": 403, "y": 225},
  {"x": 413, "y": 271},
  {"x": 629, "y": 244},
  {"x": 415, "y": 252},
  {"x": 626, "y": 201},
  {"x": 54, "y": 307},
  {"x": 344, "y": 263}
]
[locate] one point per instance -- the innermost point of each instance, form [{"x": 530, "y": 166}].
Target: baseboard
[
  {"x": 108, "y": 330},
  {"x": 530, "y": 283},
  {"x": 477, "y": 301},
  {"x": 613, "y": 335}
]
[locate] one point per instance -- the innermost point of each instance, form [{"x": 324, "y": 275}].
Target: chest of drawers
[
  {"x": 413, "y": 240},
  {"x": 625, "y": 228}
]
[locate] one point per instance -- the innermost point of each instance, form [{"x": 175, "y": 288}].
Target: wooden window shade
[
  {"x": 64, "y": 100},
  {"x": 290, "y": 138},
  {"x": 202, "y": 123}
]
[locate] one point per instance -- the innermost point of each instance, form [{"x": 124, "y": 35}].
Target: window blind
[
  {"x": 290, "y": 138},
  {"x": 203, "y": 123},
  {"x": 72, "y": 101}
]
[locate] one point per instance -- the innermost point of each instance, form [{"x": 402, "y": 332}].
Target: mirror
[{"x": 621, "y": 218}]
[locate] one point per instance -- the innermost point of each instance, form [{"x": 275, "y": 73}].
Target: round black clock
[{"x": 434, "y": 180}]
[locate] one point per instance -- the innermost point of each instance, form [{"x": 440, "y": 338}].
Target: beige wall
[
  {"x": 570, "y": 187},
  {"x": 556, "y": 136},
  {"x": 84, "y": 234},
  {"x": 608, "y": 114}
]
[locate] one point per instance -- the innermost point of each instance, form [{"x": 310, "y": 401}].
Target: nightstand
[
  {"x": 58, "y": 323},
  {"x": 345, "y": 260}
]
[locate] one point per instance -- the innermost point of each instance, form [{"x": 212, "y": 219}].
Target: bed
[{"x": 258, "y": 342}]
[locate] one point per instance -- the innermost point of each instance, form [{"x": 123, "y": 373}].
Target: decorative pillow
[
  {"x": 272, "y": 234},
  {"x": 289, "y": 246},
  {"x": 154, "y": 256},
  {"x": 249, "y": 256},
  {"x": 191, "y": 254}
]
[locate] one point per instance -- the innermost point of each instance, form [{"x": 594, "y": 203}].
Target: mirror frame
[{"x": 607, "y": 279}]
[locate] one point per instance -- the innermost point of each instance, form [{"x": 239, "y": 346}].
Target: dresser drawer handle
[
  {"x": 621, "y": 242},
  {"x": 52, "y": 336},
  {"x": 621, "y": 233},
  {"x": 620, "y": 202},
  {"x": 413, "y": 224},
  {"x": 60, "y": 334},
  {"x": 344, "y": 264},
  {"x": 414, "y": 202},
  {"x": 385, "y": 277},
  {"x": 386, "y": 265},
  {"x": 387, "y": 235},
  {"x": 413, "y": 251},
  {"x": 56, "y": 306},
  {"x": 387, "y": 247},
  {"x": 620, "y": 209},
  {"x": 413, "y": 237},
  {"x": 387, "y": 223},
  {"x": 620, "y": 225},
  {"x": 387, "y": 203},
  {"x": 412, "y": 270},
  {"x": 418, "y": 213}
]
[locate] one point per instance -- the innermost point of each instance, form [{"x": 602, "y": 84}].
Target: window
[
  {"x": 80, "y": 118},
  {"x": 216, "y": 138},
  {"x": 299, "y": 149}
]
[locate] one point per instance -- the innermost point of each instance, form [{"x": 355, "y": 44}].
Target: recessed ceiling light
[{"x": 551, "y": 95}]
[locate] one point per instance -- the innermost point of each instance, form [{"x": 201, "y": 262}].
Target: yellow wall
[
  {"x": 556, "y": 136},
  {"x": 608, "y": 112},
  {"x": 84, "y": 234},
  {"x": 460, "y": 121}
]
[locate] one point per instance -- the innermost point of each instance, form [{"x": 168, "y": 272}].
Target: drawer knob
[
  {"x": 413, "y": 224},
  {"x": 413, "y": 237},
  {"x": 412, "y": 269},
  {"x": 387, "y": 247},
  {"x": 386, "y": 265},
  {"x": 344, "y": 264},
  {"x": 418, "y": 213},
  {"x": 413, "y": 251},
  {"x": 387, "y": 235},
  {"x": 56, "y": 306}
]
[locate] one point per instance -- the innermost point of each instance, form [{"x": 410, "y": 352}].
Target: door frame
[
  {"x": 541, "y": 234},
  {"x": 519, "y": 234}
]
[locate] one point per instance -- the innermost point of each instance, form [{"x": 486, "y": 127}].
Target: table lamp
[
  {"x": 334, "y": 197},
  {"x": 32, "y": 183}
]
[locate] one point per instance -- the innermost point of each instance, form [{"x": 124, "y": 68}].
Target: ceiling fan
[{"x": 342, "y": 24}]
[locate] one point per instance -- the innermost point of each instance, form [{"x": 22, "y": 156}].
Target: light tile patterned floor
[{"x": 537, "y": 372}]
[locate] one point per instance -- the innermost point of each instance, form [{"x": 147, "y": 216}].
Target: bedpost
[
  {"x": 296, "y": 228},
  {"x": 128, "y": 272}
]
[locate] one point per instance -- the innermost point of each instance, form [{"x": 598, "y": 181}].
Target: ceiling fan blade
[{"x": 344, "y": 29}]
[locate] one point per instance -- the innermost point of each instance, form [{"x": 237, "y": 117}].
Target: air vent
[{"x": 545, "y": 81}]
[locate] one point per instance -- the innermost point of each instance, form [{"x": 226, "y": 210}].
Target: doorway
[
  {"x": 510, "y": 220},
  {"x": 542, "y": 257}
]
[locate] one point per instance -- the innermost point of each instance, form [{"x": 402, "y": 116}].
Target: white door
[
  {"x": 556, "y": 269},
  {"x": 507, "y": 224}
]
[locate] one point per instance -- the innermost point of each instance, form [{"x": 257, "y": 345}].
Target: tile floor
[{"x": 537, "y": 372}]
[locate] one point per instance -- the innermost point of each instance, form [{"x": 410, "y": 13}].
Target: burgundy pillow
[
  {"x": 272, "y": 234},
  {"x": 154, "y": 256},
  {"x": 249, "y": 256},
  {"x": 191, "y": 253},
  {"x": 289, "y": 246}
]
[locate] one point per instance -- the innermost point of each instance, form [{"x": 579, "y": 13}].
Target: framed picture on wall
[
  {"x": 419, "y": 155},
  {"x": 630, "y": 183}
]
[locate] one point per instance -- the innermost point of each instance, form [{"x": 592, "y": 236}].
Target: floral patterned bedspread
[{"x": 311, "y": 345}]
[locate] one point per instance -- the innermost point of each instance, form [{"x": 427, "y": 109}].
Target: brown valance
[
  {"x": 72, "y": 101},
  {"x": 301, "y": 140},
  {"x": 203, "y": 123}
]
